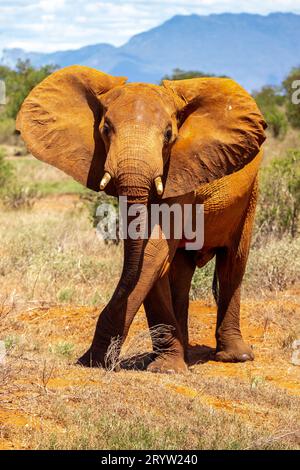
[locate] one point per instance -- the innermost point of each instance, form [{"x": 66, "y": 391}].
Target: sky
[{"x": 50, "y": 25}]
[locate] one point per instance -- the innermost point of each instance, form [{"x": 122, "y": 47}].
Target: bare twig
[{"x": 160, "y": 335}]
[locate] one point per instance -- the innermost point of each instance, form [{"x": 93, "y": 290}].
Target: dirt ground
[{"x": 38, "y": 368}]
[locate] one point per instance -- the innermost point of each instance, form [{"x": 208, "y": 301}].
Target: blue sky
[{"x": 49, "y": 25}]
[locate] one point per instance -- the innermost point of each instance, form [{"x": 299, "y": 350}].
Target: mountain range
[{"x": 255, "y": 50}]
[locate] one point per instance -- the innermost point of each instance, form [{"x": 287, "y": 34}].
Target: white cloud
[
  {"x": 50, "y": 5},
  {"x": 48, "y": 25}
]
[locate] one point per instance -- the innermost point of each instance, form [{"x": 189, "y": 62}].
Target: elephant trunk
[
  {"x": 133, "y": 181},
  {"x": 115, "y": 318},
  {"x": 135, "y": 163},
  {"x": 134, "y": 170}
]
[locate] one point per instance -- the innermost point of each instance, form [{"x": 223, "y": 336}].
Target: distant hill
[{"x": 255, "y": 50}]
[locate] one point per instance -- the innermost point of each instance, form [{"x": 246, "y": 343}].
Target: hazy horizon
[{"x": 56, "y": 25}]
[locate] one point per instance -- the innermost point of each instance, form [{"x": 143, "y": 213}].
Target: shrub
[
  {"x": 7, "y": 131},
  {"x": 269, "y": 97},
  {"x": 6, "y": 172},
  {"x": 201, "y": 286},
  {"x": 279, "y": 200},
  {"x": 273, "y": 266},
  {"x": 13, "y": 195},
  {"x": 270, "y": 101},
  {"x": 179, "y": 74},
  {"x": 293, "y": 110},
  {"x": 20, "y": 82},
  {"x": 277, "y": 122},
  {"x": 63, "y": 349},
  {"x": 93, "y": 201},
  {"x": 18, "y": 197}
]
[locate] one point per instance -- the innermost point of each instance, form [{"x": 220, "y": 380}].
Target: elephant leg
[
  {"x": 181, "y": 273},
  {"x": 230, "y": 269},
  {"x": 117, "y": 316},
  {"x": 166, "y": 335},
  {"x": 154, "y": 260},
  {"x": 168, "y": 301}
]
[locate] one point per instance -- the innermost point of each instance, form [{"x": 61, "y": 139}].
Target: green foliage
[
  {"x": 63, "y": 349},
  {"x": 179, "y": 74},
  {"x": 12, "y": 194},
  {"x": 268, "y": 97},
  {"x": 19, "y": 197},
  {"x": 293, "y": 110},
  {"x": 19, "y": 83},
  {"x": 93, "y": 201},
  {"x": 279, "y": 202},
  {"x": 202, "y": 281},
  {"x": 11, "y": 342},
  {"x": 7, "y": 130},
  {"x": 6, "y": 172},
  {"x": 277, "y": 122},
  {"x": 271, "y": 102}
]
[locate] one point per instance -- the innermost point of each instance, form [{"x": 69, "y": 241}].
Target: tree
[
  {"x": 271, "y": 101},
  {"x": 20, "y": 82},
  {"x": 293, "y": 109},
  {"x": 179, "y": 74},
  {"x": 268, "y": 97},
  {"x": 278, "y": 211}
]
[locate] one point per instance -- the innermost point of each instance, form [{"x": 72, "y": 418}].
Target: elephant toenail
[{"x": 245, "y": 357}]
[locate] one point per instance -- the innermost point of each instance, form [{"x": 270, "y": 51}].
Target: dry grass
[
  {"x": 51, "y": 253},
  {"x": 42, "y": 178},
  {"x": 48, "y": 403},
  {"x": 59, "y": 259},
  {"x": 275, "y": 147},
  {"x": 55, "y": 276}
]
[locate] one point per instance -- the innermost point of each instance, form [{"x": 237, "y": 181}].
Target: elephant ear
[
  {"x": 59, "y": 122},
  {"x": 220, "y": 130}
]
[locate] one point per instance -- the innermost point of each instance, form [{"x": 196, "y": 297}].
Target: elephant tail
[{"x": 215, "y": 286}]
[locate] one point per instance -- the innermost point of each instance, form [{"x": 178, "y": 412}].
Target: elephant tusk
[
  {"x": 105, "y": 180},
  {"x": 159, "y": 185}
]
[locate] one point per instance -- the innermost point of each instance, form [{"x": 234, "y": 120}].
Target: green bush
[
  {"x": 6, "y": 172},
  {"x": 269, "y": 97},
  {"x": 19, "y": 197},
  {"x": 7, "y": 130},
  {"x": 93, "y": 200},
  {"x": 13, "y": 195},
  {"x": 20, "y": 82},
  {"x": 277, "y": 122},
  {"x": 179, "y": 74},
  {"x": 270, "y": 101},
  {"x": 279, "y": 201},
  {"x": 293, "y": 110}
]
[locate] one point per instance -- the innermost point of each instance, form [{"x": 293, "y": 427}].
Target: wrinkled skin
[{"x": 145, "y": 130}]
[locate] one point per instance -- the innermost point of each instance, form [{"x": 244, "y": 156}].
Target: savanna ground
[{"x": 55, "y": 277}]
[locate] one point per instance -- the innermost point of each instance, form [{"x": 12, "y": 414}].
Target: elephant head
[{"x": 140, "y": 140}]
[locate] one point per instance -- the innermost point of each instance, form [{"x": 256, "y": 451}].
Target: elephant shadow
[
  {"x": 200, "y": 354},
  {"x": 197, "y": 354}
]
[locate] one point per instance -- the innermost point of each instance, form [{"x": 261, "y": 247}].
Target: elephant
[{"x": 192, "y": 141}]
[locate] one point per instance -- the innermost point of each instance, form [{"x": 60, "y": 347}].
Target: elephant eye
[
  {"x": 106, "y": 128},
  {"x": 168, "y": 134}
]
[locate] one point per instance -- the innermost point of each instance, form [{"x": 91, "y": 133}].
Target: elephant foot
[
  {"x": 234, "y": 351},
  {"x": 168, "y": 364},
  {"x": 91, "y": 359}
]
